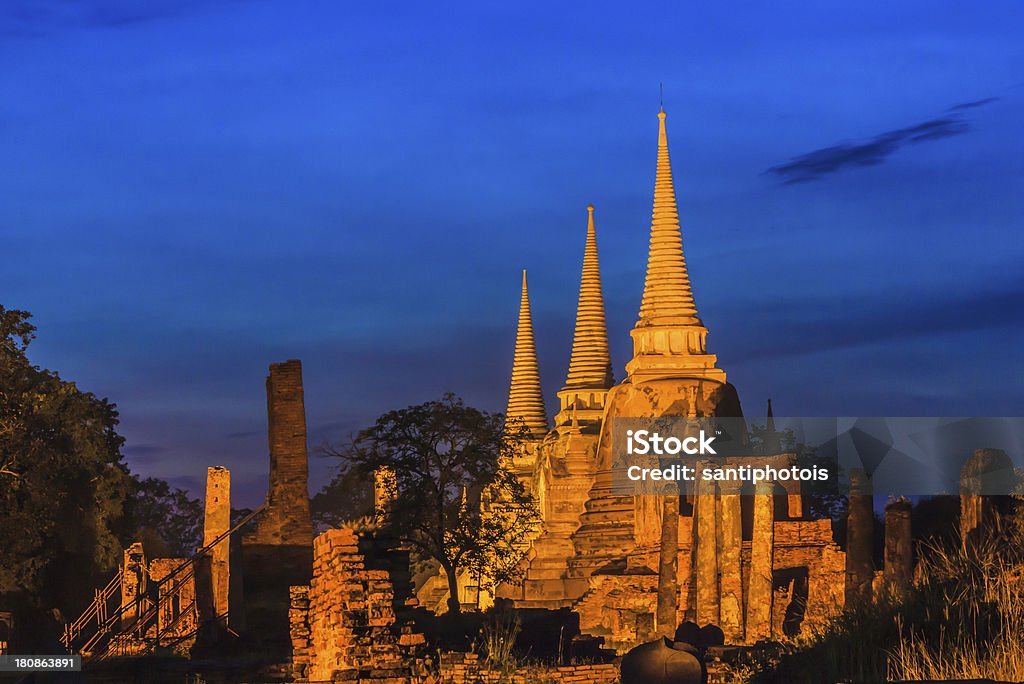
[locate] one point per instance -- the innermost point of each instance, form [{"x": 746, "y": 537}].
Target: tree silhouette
[{"x": 457, "y": 501}]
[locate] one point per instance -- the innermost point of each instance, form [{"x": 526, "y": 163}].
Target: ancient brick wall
[
  {"x": 176, "y": 609},
  {"x": 343, "y": 625},
  {"x": 469, "y": 668}
]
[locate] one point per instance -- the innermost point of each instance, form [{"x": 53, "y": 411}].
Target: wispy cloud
[
  {"x": 34, "y": 18},
  {"x": 875, "y": 150},
  {"x": 796, "y": 324},
  {"x": 973, "y": 104}
]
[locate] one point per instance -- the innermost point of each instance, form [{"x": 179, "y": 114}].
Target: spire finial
[
  {"x": 661, "y": 96},
  {"x": 525, "y": 398},
  {"x": 590, "y": 365},
  {"x": 667, "y": 293}
]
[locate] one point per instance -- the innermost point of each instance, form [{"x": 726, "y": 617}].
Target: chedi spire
[
  {"x": 590, "y": 366},
  {"x": 668, "y": 297},
  {"x": 669, "y": 339},
  {"x": 525, "y": 398}
]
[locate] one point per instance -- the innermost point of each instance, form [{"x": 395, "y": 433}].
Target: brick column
[
  {"x": 668, "y": 566},
  {"x": 278, "y": 553},
  {"x": 899, "y": 555},
  {"x": 860, "y": 522},
  {"x": 216, "y": 522},
  {"x": 706, "y": 568},
  {"x": 730, "y": 541},
  {"x": 762, "y": 549}
]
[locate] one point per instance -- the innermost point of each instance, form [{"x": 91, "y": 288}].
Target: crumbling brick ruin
[
  {"x": 278, "y": 553},
  {"x": 344, "y": 624}
]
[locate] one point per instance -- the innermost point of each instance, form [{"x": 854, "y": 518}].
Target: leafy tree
[
  {"x": 822, "y": 498},
  {"x": 346, "y": 498},
  {"x": 165, "y": 519},
  {"x": 456, "y": 501},
  {"x": 62, "y": 481}
]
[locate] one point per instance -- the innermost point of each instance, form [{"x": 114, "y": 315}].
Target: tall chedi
[
  {"x": 669, "y": 339},
  {"x": 525, "y": 398},
  {"x": 670, "y": 374},
  {"x": 590, "y": 365},
  {"x": 562, "y": 471}
]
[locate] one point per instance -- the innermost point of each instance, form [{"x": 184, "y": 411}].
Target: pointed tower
[
  {"x": 771, "y": 442},
  {"x": 590, "y": 366},
  {"x": 669, "y": 339},
  {"x": 525, "y": 399}
]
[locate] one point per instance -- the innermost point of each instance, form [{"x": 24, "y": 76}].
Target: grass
[
  {"x": 963, "y": 619},
  {"x": 497, "y": 640}
]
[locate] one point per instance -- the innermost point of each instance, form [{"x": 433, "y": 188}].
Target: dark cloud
[
  {"x": 814, "y": 165},
  {"x": 973, "y": 104},
  {"x": 799, "y": 327},
  {"x": 33, "y": 18}
]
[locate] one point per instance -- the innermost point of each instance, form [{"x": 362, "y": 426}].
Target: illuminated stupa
[{"x": 748, "y": 559}]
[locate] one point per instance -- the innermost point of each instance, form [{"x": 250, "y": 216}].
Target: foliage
[
  {"x": 497, "y": 640},
  {"x": 822, "y": 498},
  {"x": 346, "y": 498},
  {"x": 165, "y": 519},
  {"x": 62, "y": 481},
  {"x": 457, "y": 500}
]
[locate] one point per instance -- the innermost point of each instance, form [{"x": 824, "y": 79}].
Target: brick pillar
[
  {"x": 762, "y": 549},
  {"x": 278, "y": 553},
  {"x": 668, "y": 567},
  {"x": 899, "y": 555},
  {"x": 982, "y": 477},
  {"x": 134, "y": 576},
  {"x": 859, "y": 531},
  {"x": 730, "y": 541},
  {"x": 706, "y": 569},
  {"x": 287, "y": 518},
  {"x": 215, "y": 524}
]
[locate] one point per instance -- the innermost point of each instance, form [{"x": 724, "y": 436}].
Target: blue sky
[{"x": 194, "y": 189}]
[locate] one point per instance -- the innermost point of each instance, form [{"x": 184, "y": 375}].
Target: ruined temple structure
[
  {"x": 278, "y": 552},
  {"x": 748, "y": 561},
  {"x": 226, "y": 588}
]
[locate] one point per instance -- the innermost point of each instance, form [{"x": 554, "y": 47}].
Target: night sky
[{"x": 191, "y": 190}]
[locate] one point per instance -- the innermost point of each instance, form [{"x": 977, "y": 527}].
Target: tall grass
[
  {"x": 970, "y": 614},
  {"x": 963, "y": 619},
  {"x": 497, "y": 641}
]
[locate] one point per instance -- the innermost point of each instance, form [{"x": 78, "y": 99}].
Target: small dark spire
[{"x": 661, "y": 96}]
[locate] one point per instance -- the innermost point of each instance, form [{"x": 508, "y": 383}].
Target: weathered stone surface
[
  {"x": 668, "y": 562},
  {"x": 899, "y": 554},
  {"x": 762, "y": 548},
  {"x": 859, "y": 531},
  {"x": 177, "y": 615},
  {"x": 706, "y": 574},
  {"x": 216, "y": 523},
  {"x": 982, "y": 478},
  {"x": 345, "y": 619},
  {"x": 730, "y": 541},
  {"x": 278, "y": 553}
]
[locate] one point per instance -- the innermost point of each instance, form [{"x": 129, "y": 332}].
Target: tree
[
  {"x": 165, "y": 519},
  {"x": 62, "y": 482},
  {"x": 457, "y": 500},
  {"x": 348, "y": 497},
  {"x": 821, "y": 498}
]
